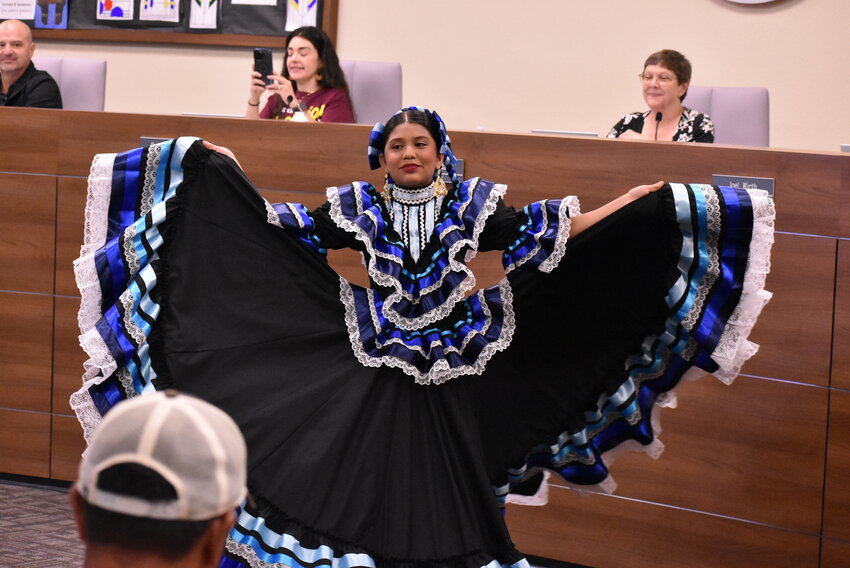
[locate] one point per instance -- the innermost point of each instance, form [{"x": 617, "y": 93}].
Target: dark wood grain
[
  {"x": 68, "y": 356},
  {"x": 737, "y": 451},
  {"x": 836, "y": 515},
  {"x": 70, "y": 221},
  {"x": 607, "y": 532},
  {"x": 67, "y": 445},
  {"x": 794, "y": 331},
  {"x": 26, "y": 343},
  {"x": 25, "y": 443},
  {"x": 841, "y": 338},
  {"x": 28, "y": 220},
  {"x": 809, "y": 186},
  {"x": 835, "y": 553}
]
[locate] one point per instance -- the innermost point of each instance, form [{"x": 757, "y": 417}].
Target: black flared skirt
[{"x": 361, "y": 466}]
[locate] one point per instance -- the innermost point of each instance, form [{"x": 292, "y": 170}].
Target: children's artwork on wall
[
  {"x": 253, "y": 2},
  {"x": 115, "y": 10},
  {"x": 203, "y": 14},
  {"x": 159, "y": 10},
  {"x": 17, "y": 9},
  {"x": 51, "y": 14},
  {"x": 301, "y": 13},
  {"x": 213, "y": 18}
]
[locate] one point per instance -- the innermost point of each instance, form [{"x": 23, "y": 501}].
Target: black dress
[
  {"x": 385, "y": 425},
  {"x": 693, "y": 126}
]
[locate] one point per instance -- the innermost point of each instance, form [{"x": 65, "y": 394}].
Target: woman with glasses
[{"x": 664, "y": 81}]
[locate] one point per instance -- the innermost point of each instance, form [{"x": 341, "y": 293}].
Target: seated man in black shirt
[{"x": 21, "y": 84}]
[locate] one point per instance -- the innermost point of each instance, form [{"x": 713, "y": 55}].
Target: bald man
[{"x": 21, "y": 84}]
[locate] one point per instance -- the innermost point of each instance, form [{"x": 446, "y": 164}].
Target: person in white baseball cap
[{"x": 159, "y": 483}]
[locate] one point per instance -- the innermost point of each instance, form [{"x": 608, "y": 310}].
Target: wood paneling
[
  {"x": 273, "y": 154},
  {"x": 26, "y": 344},
  {"x": 67, "y": 446},
  {"x": 68, "y": 356},
  {"x": 333, "y": 155},
  {"x": 598, "y": 169},
  {"x": 27, "y": 232},
  {"x": 841, "y": 340},
  {"x": 70, "y": 221},
  {"x": 739, "y": 451},
  {"x": 25, "y": 443},
  {"x": 836, "y": 517},
  {"x": 30, "y": 142},
  {"x": 795, "y": 328},
  {"x": 607, "y": 532},
  {"x": 835, "y": 554}
]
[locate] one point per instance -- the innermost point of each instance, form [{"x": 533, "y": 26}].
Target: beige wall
[{"x": 556, "y": 64}]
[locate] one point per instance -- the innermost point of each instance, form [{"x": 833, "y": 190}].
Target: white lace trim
[
  {"x": 454, "y": 266},
  {"x": 100, "y": 363},
  {"x": 568, "y": 208},
  {"x": 351, "y": 560},
  {"x": 128, "y": 302},
  {"x": 128, "y": 240},
  {"x": 488, "y": 321},
  {"x": 247, "y": 553},
  {"x": 713, "y": 217},
  {"x": 94, "y": 233},
  {"x": 272, "y": 217},
  {"x": 440, "y": 371},
  {"x": 733, "y": 347},
  {"x": 154, "y": 156}
]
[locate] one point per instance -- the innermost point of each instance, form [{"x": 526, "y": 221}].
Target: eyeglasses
[{"x": 663, "y": 78}]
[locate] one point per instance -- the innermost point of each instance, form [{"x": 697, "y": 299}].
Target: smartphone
[{"x": 263, "y": 63}]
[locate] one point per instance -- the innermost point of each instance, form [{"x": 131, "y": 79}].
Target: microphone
[
  {"x": 289, "y": 101},
  {"x": 658, "y": 117}
]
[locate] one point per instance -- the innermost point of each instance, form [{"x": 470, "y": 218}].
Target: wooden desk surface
[{"x": 809, "y": 185}]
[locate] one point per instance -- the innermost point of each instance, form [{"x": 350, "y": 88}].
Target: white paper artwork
[
  {"x": 204, "y": 14},
  {"x": 17, "y": 9},
  {"x": 255, "y": 2},
  {"x": 159, "y": 10},
  {"x": 301, "y": 13},
  {"x": 115, "y": 10}
]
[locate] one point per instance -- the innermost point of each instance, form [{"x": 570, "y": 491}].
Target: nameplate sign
[
  {"x": 743, "y": 182},
  {"x": 146, "y": 141}
]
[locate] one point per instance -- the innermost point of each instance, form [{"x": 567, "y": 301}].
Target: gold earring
[
  {"x": 386, "y": 191},
  {"x": 439, "y": 185}
]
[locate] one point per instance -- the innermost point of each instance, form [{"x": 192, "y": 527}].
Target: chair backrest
[
  {"x": 82, "y": 82},
  {"x": 375, "y": 89},
  {"x": 741, "y": 115}
]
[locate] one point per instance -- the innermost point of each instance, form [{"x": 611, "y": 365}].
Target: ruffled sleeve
[{"x": 543, "y": 235}]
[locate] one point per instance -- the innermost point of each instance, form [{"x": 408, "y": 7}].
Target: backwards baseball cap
[{"x": 191, "y": 444}]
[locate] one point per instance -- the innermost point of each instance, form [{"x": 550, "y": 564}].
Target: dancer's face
[{"x": 411, "y": 156}]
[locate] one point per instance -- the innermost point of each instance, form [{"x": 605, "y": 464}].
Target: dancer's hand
[
  {"x": 636, "y": 193},
  {"x": 585, "y": 220}
]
